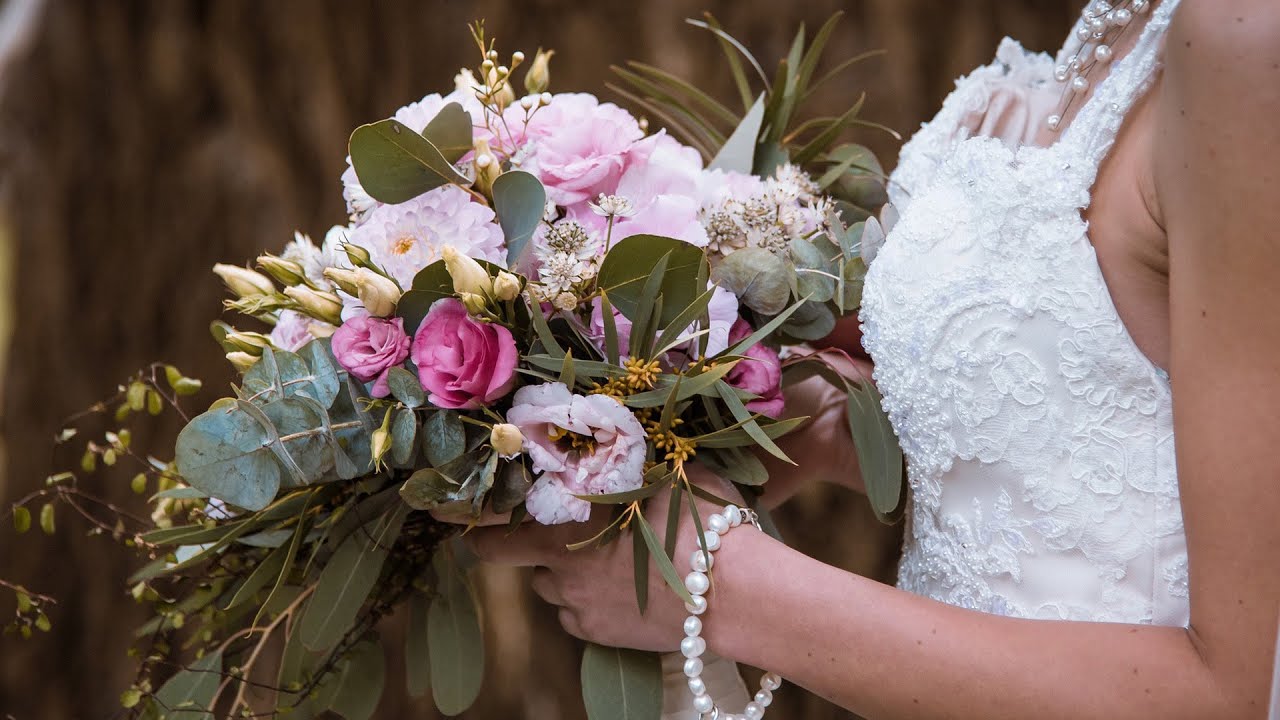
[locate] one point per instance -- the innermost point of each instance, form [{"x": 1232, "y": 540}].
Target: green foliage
[
  {"x": 879, "y": 455},
  {"x": 760, "y": 279},
  {"x": 361, "y": 676},
  {"x": 620, "y": 684},
  {"x": 630, "y": 263},
  {"x": 519, "y": 201},
  {"x": 396, "y": 164},
  {"x": 189, "y": 693},
  {"x": 456, "y": 650}
]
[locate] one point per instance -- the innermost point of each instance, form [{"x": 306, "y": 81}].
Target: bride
[{"x": 1085, "y": 266}]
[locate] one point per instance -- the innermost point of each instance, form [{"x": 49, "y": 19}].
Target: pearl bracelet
[{"x": 693, "y": 645}]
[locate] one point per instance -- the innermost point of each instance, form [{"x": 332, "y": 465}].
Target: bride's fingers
[
  {"x": 544, "y": 586},
  {"x": 569, "y": 621},
  {"x": 487, "y": 518}
]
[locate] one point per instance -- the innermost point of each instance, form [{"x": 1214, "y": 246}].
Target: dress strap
[{"x": 1094, "y": 128}]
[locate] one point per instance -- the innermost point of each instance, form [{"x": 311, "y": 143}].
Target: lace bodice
[{"x": 1039, "y": 437}]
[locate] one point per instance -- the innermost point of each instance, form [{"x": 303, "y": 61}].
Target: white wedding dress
[{"x": 1039, "y": 438}]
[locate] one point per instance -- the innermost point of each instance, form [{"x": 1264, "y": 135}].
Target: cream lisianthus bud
[
  {"x": 487, "y": 167},
  {"x": 506, "y": 439},
  {"x": 284, "y": 271},
  {"x": 465, "y": 83},
  {"x": 241, "y": 360},
  {"x": 243, "y": 281},
  {"x": 468, "y": 275},
  {"x": 357, "y": 255},
  {"x": 475, "y": 304},
  {"x": 506, "y": 286},
  {"x": 538, "y": 77},
  {"x": 380, "y": 441},
  {"x": 250, "y": 342},
  {"x": 343, "y": 279},
  {"x": 378, "y": 292},
  {"x": 320, "y": 305}
]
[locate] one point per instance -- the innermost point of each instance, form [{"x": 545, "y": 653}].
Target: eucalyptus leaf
[
  {"x": 224, "y": 453},
  {"x": 815, "y": 272},
  {"x": 760, "y": 279},
  {"x": 417, "y": 660},
  {"x": 396, "y": 164},
  {"x": 879, "y": 455},
  {"x": 362, "y": 674},
  {"x": 629, "y": 264},
  {"x": 450, "y": 131},
  {"x": 519, "y": 201},
  {"x": 665, "y": 567},
  {"x": 427, "y": 489},
  {"x": 404, "y": 436},
  {"x": 405, "y": 387},
  {"x": 348, "y": 578},
  {"x": 811, "y": 321},
  {"x": 443, "y": 437},
  {"x": 189, "y": 693},
  {"x": 512, "y": 486},
  {"x": 456, "y": 650},
  {"x": 739, "y": 465},
  {"x": 852, "y": 278},
  {"x": 619, "y": 684}
]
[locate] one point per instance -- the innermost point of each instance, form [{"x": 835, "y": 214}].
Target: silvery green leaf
[
  {"x": 879, "y": 455},
  {"x": 443, "y": 437},
  {"x": 511, "y": 487},
  {"x": 519, "y": 201},
  {"x": 760, "y": 279},
  {"x": 812, "y": 321},
  {"x": 224, "y": 453},
  {"x": 456, "y": 649},
  {"x": 308, "y": 449},
  {"x": 427, "y": 489},
  {"x": 361, "y": 677},
  {"x": 189, "y": 693},
  {"x": 872, "y": 239},
  {"x": 852, "y": 278},
  {"x": 450, "y": 131},
  {"x": 404, "y": 435},
  {"x": 396, "y": 164},
  {"x": 815, "y": 272},
  {"x": 405, "y": 387},
  {"x": 630, "y": 263},
  {"x": 620, "y": 684}
]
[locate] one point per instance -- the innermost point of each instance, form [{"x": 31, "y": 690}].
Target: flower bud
[
  {"x": 250, "y": 342},
  {"x": 506, "y": 286},
  {"x": 475, "y": 304},
  {"x": 243, "y": 281},
  {"x": 343, "y": 279},
  {"x": 506, "y": 440},
  {"x": 320, "y": 305},
  {"x": 565, "y": 301},
  {"x": 486, "y": 166},
  {"x": 538, "y": 77},
  {"x": 284, "y": 271},
  {"x": 320, "y": 330},
  {"x": 357, "y": 255},
  {"x": 381, "y": 440},
  {"x": 241, "y": 360},
  {"x": 468, "y": 275},
  {"x": 378, "y": 292}
]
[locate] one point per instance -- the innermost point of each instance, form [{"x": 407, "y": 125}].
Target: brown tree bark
[{"x": 140, "y": 142}]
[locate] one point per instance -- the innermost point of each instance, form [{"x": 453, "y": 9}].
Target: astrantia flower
[
  {"x": 613, "y": 206},
  {"x": 561, "y": 272},
  {"x": 581, "y": 445},
  {"x": 406, "y": 238}
]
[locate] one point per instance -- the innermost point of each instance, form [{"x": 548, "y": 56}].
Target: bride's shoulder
[{"x": 1237, "y": 39}]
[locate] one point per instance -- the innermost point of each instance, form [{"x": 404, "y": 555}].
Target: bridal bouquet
[{"x": 541, "y": 306}]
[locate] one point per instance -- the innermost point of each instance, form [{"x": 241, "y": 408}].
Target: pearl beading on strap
[
  {"x": 697, "y": 582},
  {"x": 1101, "y": 24}
]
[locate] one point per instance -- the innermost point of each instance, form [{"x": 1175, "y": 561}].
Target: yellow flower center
[
  {"x": 570, "y": 441},
  {"x": 404, "y": 245}
]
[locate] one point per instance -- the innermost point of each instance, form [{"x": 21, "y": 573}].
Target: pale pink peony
[
  {"x": 368, "y": 347},
  {"x": 580, "y": 147},
  {"x": 462, "y": 362},
  {"x": 614, "y": 464},
  {"x": 759, "y": 372},
  {"x": 662, "y": 181},
  {"x": 292, "y": 331},
  {"x": 406, "y": 238}
]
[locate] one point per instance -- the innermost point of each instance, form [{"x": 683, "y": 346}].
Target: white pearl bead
[
  {"x": 1060, "y": 72},
  {"x": 1097, "y": 25},
  {"x": 718, "y": 524},
  {"x": 698, "y": 606},
  {"x": 697, "y": 686},
  {"x": 1053, "y": 121},
  {"x": 754, "y": 711},
  {"x": 733, "y": 514},
  {"x": 693, "y": 667},
  {"x": 771, "y": 681},
  {"x": 697, "y": 583},
  {"x": 764, "y": 698},
  {"x": 712, "y": 539},
  {"x": 692, "y": 647},
  {"x": 1121, "y": 17},
  {"x": 701, "y": 561},
  {"x": 1102, "y": 53},
  {"x": 703, "y": 703},
  {"x": 692, "y": 626},
  {"x": 1083, "y": 32},
  {"x": 1140, "y": 6},
  {"x": 1079, "y": 84}
]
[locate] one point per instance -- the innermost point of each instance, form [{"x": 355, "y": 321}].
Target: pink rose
[
  {"x": 462, "y": 362},
  {"x": 580, "y": 147},
  {"x": 368, "y": 347},
  {"x": 581, "y": 445},
  {"x": 759, "y": 372}
]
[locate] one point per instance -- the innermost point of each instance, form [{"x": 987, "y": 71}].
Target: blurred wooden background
[{"x": 140, "y": 142}]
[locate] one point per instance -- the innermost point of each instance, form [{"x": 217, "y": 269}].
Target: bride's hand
[{"x": 595, "y": 587}]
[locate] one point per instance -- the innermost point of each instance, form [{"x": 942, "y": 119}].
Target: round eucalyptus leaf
[
  {"x": 814, "y": 271},
  {"x": 760, "y": 279},
  {"x": 224, "y": 453},
  {"x": 629, "y": 264},
  {"x": 812, "y": 321}
]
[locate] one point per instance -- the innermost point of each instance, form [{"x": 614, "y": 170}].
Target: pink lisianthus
[
  {"x": 581, "y": 445},
  {"x": 292, "y": 331},
  {"x": 368, "y": 347},
  {"x": 759, "y": 372},
  {"x": 579, "y": 147},
  {"x": 463, "y": 363}
]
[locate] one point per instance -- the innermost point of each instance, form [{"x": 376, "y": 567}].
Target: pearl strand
[
  {"x": 697, "y": 582},
  {"x": 1102, "y": 23}
]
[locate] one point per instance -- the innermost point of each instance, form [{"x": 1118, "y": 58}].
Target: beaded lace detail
[{"x": 1039, "y": 437}]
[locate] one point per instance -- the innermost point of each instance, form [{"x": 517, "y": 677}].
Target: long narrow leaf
[
  {"x": 751, "y": 427},
  {"x": 610, "y": 329},
  {"x": 715, "y": 107},
  {"x": 665, "y": 567},
  {"x": 682, "y": 321},
  {"x": 640, "y": 562}
]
